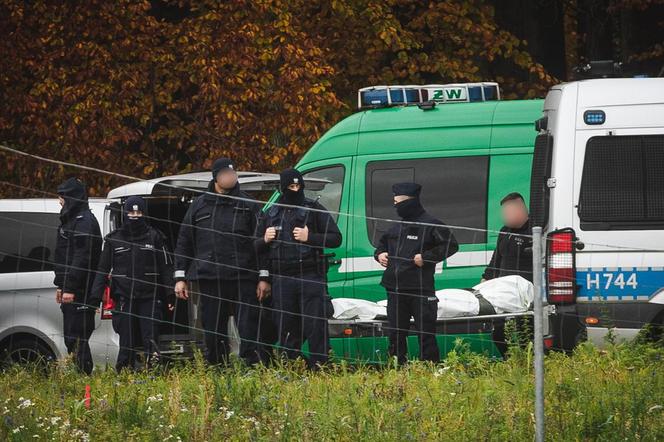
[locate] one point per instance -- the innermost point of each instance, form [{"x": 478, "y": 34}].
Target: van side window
[
  {"x": 330, "y": 192},
  {"x": 27, "y": 241},
  {"x": 622, "y": 182},
  {"x": 454, "y": 190}
]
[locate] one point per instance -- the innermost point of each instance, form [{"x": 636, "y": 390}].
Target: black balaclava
[
  {"x": 286, "y": 178},
  {"x": 75, "y": 196},
  {"x": 410, "y": 208},
  {"x": 135, "y": 225}
]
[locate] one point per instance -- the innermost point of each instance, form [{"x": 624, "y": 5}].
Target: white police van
[
  {"x": 30, "y": 319},
  {"x": 597, "y": 188}
]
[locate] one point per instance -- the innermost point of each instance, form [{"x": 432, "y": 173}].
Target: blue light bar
[
  {"x": 491, "y": 92},
  {"x": 594, "y": 117},
  {"x": 374, "y": 98},
  {"x": 384, "y": 96}
]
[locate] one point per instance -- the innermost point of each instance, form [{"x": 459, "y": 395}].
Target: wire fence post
[{"x": 538, "y": 360}]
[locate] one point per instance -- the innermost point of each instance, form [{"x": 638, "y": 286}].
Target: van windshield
[
  {"x": 622, "y": 182},
  {"x": 327, "y": 188}
]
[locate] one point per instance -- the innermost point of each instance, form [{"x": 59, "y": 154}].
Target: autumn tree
[
  {"x": 109, "y": 84},
  {"x": 415, "y": 42},
  {"x": 148, "y": 88}
]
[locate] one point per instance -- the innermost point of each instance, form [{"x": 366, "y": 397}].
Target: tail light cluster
[{"x": 561, "y": 267}]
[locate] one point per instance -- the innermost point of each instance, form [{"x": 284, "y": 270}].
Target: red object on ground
[{"x": 87, "y": 396}]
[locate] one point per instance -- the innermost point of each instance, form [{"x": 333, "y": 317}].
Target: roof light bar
[{"x": 373, "y": 97}]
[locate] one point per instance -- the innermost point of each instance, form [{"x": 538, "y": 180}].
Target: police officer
[
  {"x": 135, "y": 256},
  {"x": 513, "y": 254},
  {"x": 293, "y": 235},
  {"x": 409, "y": 252},
  {"x": 215, "y": 249},
  {"x": 76, "y": 255}
]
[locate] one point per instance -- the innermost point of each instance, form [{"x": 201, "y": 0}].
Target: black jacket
[
  {"x": 77, "y": 246},
  {"x": 216, "y": 238},
  {"x": 403, "y": 241},
  {"x": 285, "y": 255},
  {"x": 139, "y": 266},
  {"x": 513, "y": 254}
]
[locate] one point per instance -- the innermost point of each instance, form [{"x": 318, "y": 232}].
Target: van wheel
[{"x": 24, "y": 350}]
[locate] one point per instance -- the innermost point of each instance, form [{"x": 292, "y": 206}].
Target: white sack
[
  {"x": 508, "y": 294},
  {"x": 453, "y": 303},
  {"x": 350, "y": 308}
]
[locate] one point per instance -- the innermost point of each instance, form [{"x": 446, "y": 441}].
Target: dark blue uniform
[
  {"x": 513, "y": 254},
  {"x": 76, "y": 256},
  {"x": 139, "y": 266},
  {"x": 298, "y": 271},
  {"x": 410, "y": 288},
  {"x": 216, "y": 248}
]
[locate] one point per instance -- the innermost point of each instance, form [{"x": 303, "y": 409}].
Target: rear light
[
  {"x": 548, "y": 343},
  {"x": 561, "y": 267},
  {"x": 591, "y": 320},
  {"x": 107, "y": 304}
]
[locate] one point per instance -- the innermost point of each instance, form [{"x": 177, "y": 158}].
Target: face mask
[
  {"x": 409, "y": 208},
  {"x": 292, "y": 197},
  {"x": 135, "y": 224},
  {"x": 71, "y": 207}
]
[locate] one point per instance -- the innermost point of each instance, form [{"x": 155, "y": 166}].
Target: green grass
[{"x": 611, "y": 394}]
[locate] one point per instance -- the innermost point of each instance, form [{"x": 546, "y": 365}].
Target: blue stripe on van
[{"x": 618, "y": 284}]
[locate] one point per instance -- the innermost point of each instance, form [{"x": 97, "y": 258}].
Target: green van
[{"x": 467, "y": 156}]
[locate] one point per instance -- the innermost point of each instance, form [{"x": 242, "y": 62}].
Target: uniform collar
[{"x": 218, "y": 198}]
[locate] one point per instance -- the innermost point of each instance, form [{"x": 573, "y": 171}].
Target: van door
[
  {"x": 329, "y": 182},
  {"x": 619, "y": 217},
  {"x": 27, "y": 294},
  {"x": 454, "y": 190}
]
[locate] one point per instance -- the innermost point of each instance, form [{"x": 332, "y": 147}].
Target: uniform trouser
[
  {"x": 137, "y": 323},
  {"x": 300, "y": 314},
  {"x": 218, "y": 300},
  {"x": 255, "y": 326},
  {"x": 423, "y": 307},
  {"x": 78, "y": 324}
]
